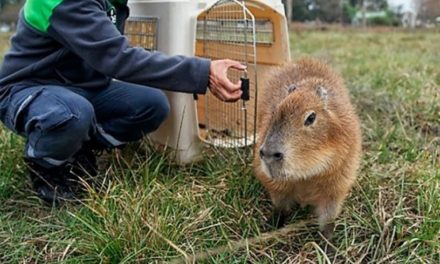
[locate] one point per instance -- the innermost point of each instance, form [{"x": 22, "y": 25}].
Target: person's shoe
[
  {"x": 85, "y": 165},
  {"x": 52, "y": 185}
]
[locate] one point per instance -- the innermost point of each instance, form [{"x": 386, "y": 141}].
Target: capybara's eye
[
  {"x": 291, "y": 88},
  {"x": 310, "y": 119}
]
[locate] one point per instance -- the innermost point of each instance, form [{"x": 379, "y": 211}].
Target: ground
[{"x": 153, "y": 211}]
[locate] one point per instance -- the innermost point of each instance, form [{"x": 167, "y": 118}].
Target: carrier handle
[{"x": 245, "y": 88}]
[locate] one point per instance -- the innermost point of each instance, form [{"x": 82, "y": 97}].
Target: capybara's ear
[
  {"x": 291, "y": 88},
  {"x": 323, "y": 94}
]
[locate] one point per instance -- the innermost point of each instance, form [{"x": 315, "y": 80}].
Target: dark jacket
[{"x": 80, "y": 43}]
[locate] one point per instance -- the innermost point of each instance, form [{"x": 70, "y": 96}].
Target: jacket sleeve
[{"x": 84, "y": 28}]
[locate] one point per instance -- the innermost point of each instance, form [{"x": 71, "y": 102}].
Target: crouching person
[{"x": 71, "y": 85}]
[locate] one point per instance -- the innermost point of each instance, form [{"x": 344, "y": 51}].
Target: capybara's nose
[
  {"x": 271, "y": 155},
  {"x": 278, "y": 156}
]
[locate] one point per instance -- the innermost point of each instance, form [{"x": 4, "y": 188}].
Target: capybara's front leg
[
  {"x": 327, "y": 212},
  {"x": 283, "y": 207}
]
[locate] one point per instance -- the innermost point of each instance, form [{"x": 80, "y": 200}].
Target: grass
[{"x": 153, "y": 211}]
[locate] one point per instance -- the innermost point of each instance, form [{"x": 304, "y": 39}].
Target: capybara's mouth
[{"x": 275, "y": 172}]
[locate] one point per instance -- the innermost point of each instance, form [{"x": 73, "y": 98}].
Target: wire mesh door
[{"x": 227, "y": 30}]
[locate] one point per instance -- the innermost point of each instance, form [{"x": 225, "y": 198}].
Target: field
[{"x": 215, "y": 211}]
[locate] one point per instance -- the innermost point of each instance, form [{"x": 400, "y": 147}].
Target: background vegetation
[
  {"x": 377, "y": 12},
  {"x": 149, "y": 210}
]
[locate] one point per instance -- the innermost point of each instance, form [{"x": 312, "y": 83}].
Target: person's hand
[{"x": 220, "y": 85}]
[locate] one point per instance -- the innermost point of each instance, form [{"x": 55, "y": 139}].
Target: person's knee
[
  {"x": 55, "y": 112},
  {"x": 161, "y": 111},
  {"x": 81, "y": 125},
  {"x": 143, "y": 111},
  {"x": 58, "y": 125},
  {"x": 76, "y": 127},
  {"x": 154, "y": 112}
]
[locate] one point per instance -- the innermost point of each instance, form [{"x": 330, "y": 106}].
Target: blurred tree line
[
  {"x": 371, "y": 12},
  {"x": 339, "y": 11},
  {"x": 9, "y": 10},
  {"x": 4, "y": 3},
  {"x": 429, "y": 9}
]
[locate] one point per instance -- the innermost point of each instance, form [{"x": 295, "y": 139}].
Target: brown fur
[{"x": 320, "y": 161}]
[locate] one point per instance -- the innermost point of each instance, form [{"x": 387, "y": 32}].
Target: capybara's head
[{"x": 300, "y": 138}]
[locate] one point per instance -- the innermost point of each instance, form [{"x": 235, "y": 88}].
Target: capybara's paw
[
  {"x": 278, "y": 219},
  {"x": 328, "y": 230}
]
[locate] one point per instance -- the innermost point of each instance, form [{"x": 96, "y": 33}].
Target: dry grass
[{"x": 153, "y": 211}]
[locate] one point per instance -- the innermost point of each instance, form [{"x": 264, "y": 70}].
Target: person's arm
[{"x": 84, "y": 28}]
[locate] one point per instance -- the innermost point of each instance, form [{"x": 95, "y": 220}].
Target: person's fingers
[
  {"x": 235, "y": 65},
  {"x": 220, "y": 85},
  {"x": 232, "y": 98},
  {"x": 229, "y": 96},
  {"x": 228, "y": 85},
  {"x": 223, "y": 80},
  {"x": 223, "y": 94},
  {"x": 236, "y": 95},
  {"x": 215, "y": 92}
]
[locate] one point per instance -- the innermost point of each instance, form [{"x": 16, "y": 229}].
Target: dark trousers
[{"x": 56, "y": 121}]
